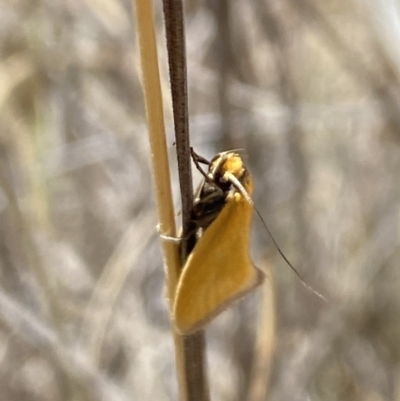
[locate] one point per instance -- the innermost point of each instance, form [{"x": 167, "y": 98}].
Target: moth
[{"x": 219, "y": 270}]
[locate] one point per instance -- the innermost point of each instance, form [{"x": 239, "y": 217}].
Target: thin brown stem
[{"x": 195, "y": 385}]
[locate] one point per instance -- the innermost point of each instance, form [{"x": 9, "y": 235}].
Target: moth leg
[
  {"x": 167, "y": 237},
  {"x": 177, "y": 240},
  {"x": 197, "y": 159}
]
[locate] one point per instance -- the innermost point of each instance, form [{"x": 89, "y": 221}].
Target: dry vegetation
[{"x": 309, "y": 89}]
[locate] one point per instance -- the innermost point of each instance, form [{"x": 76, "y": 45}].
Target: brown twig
[
  {"x": 189, "y": 350},
  {"x": 194, "y": 386}
]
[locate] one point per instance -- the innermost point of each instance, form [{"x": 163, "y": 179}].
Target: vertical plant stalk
[
  {"x": 175, "y": 36},
  {"x": 159, "y": 157},
  {"x": 195, "y": 380}
]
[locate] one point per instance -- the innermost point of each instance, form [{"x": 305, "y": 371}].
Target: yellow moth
[{"x": 219, "y": 270}]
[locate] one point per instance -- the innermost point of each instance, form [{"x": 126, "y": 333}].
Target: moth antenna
[
  {"x": 234, "y": 150},
  {"x": 243, "y": 191},
  {"x": 309, "y": 288}
]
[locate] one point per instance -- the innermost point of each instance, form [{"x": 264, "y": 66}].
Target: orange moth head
[{"x": 227, "y": 169}]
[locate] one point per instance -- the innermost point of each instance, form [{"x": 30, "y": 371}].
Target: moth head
[{"x": 227, "y": 169}]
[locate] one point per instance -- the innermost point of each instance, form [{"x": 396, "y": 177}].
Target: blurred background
[{"x": 308, "y": 89}]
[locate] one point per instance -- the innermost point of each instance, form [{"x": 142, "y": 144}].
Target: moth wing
[{"x": 219, "y": 269}]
